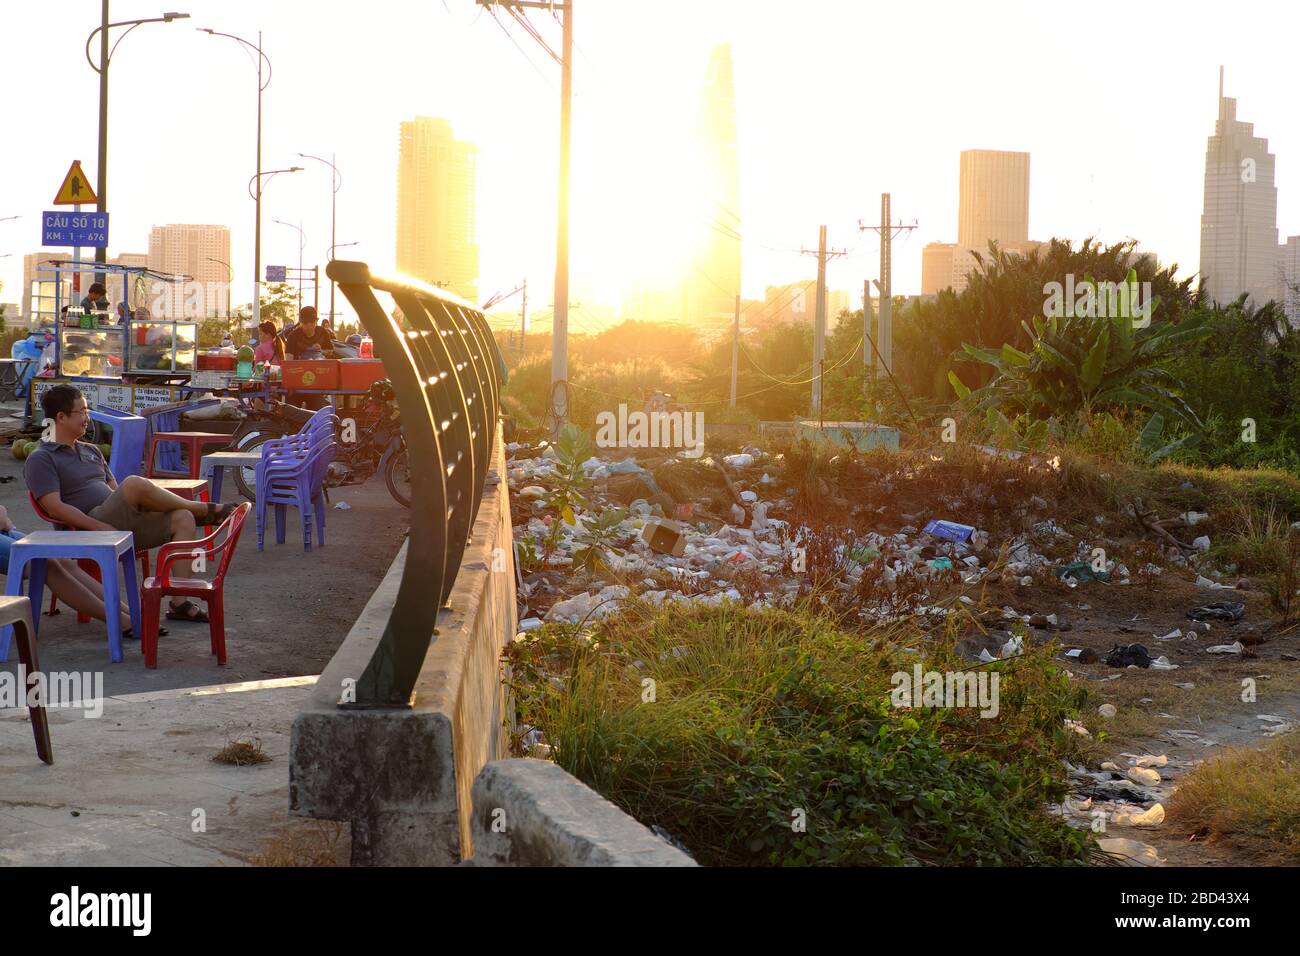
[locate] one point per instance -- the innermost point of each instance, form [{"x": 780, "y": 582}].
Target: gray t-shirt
[{"x": 79, "y": 475}]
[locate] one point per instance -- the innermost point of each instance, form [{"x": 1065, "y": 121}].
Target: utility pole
[
  {"x": 885, "y": 334},
  {"x": 560, "y": 319},
  {"x": 866, "y": 323},
  {"x": 735, "y": 350},
  {"x": 819, "y": 321},
  {"x": 523, "y": 318}
]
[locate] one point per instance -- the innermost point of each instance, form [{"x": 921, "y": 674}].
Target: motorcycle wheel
[
  {"x": 246, "y": 478},
  {"x": 397, "y": 476}
]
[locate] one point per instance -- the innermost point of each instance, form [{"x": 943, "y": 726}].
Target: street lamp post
[
  {"x": 106, "y": 57},
  {"x": 257, "y": 244},
  {"x": 302, "y": 242},
  {"x": 230, "y": 278},
  {"x": 338, "y": 182},
  {"x": 257, "y": 215}
]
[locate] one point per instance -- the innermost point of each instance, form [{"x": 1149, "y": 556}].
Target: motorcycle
[{"x": 369, "y": 442}]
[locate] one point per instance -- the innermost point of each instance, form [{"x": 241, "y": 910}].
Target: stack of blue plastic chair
[{"x": 292, "y": 472}]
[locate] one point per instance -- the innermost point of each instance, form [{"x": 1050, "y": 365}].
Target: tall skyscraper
[
  {"x": 1239, "y": 247},
  {"x": 714, "y": 283},
  {"x": 994, "y": 201},
  {"x": 437, "y": 228},
  {"x": 199, "y": 252},
  {"x": 992, "y": 206}
]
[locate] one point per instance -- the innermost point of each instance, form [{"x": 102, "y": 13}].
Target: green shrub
[{"x": 759, "y": 713}]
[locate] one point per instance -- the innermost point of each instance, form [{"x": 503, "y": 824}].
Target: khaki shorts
[{"x": 151, "y": 529}]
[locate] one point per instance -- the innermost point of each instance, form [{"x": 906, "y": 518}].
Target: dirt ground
[{"x": 286, "y": 611}]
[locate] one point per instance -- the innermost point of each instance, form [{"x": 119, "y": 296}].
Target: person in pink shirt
[{"x": 270, "y": 350}]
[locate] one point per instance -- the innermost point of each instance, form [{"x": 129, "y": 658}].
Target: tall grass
[{"x": 722, "y": 724}]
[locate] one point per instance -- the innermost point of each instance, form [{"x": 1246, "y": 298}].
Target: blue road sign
[
  {"x": 276, "y": 273},
  {"x": 74, "y": 229}
]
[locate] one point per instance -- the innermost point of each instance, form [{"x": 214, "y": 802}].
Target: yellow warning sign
[{"x": 76, "y": 188}]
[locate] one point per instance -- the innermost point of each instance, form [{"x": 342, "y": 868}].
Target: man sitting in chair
[{"x": 70, "y": 480}]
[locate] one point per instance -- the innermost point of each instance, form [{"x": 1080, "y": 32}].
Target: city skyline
[{"x": 805, "y": 157}]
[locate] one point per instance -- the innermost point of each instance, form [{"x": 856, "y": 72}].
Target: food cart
[{"x": 124, "y": 356}]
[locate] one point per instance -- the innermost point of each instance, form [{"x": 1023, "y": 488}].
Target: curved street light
[
  {"x": 230, "y": 280},
  {"x": 105, "y": 58},
  {"x": 302, "y": 244},
  {"x": 262, "y": 84},
  {"x": 338, "y": 184}
]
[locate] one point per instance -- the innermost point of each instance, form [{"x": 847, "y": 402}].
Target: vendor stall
[{"x": 121, "y": 356}]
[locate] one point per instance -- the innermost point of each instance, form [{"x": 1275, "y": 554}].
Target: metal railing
[{"x": 446, "y": 370}]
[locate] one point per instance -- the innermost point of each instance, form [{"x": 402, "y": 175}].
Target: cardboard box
[
  {"x": 323, "y": 373},
  {"x": 665, "y": 537}
]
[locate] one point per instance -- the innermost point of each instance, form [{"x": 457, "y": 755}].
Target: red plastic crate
[
  {"x": 358, "y": 374},
  {"x": 322, "y": 373}
]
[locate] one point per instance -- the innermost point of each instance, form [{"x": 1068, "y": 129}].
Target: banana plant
[{"x": 1083, "y": 364}]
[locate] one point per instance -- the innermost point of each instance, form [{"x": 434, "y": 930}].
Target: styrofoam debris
[
  {"x": 1148, "y": 818},
  {"x": 1236, "y": 647},
  {"x": 1143, "y": 775}
]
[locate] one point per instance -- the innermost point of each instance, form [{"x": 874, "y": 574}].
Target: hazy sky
[{"x": 837, "y": 101}]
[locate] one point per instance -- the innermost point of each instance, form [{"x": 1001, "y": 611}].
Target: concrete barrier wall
[
  {"x": 402, "y": 778},
  {"x": 532, "y": 813}
]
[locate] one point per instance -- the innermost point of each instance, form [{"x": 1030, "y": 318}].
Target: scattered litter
[
  {"x": 342, "y": 506},
  {"x": 1203, "y": 582},
  {"x": 1176, "y": 632},
  {"x": 1148, "y": 760},
  {"x": 940, "y": 564},
  {"x": 1148, "y": 818},
  {"x": 530, "y": 624},
  {"x": 1143, "y": 775},
  {"x": 665, "y": 537},
  {"x": 950, "y": 530},
  {"x": 1107, "y": 710},
  {"x": 1133, "y": 852},
  {"x": 1193, "y": 518},
  {"x": 1202, "y": 543},
  {"x": 532, "y": 491},
  {"x": 1084, "y": 655},
  {"x": 1236, "y": 647},
  {"x": 1130, "y": 655},
  {"x": 1162, "y": 663},
  {"x": 738, "y": 461},
  {"x": 1218, "y": 611},
  {"x": 1082, "y": 572},
  {"x": 1013, "y": 648},
  {"x": 1077, "y": 727}
]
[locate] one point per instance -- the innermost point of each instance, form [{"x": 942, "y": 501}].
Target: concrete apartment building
[
  {"x": 993, "y": 206},
  {"x": 198, "y": 252},
  {"x": 437, "y": 227}
]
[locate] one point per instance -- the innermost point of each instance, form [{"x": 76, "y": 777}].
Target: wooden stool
[
  {"x": 194, "y": 442},
  {"x": 17, "y": 612}
]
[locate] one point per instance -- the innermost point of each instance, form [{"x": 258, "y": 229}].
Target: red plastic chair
[
  {"x": 90, "y": 567},
  {"x": 211, "y": 592}
]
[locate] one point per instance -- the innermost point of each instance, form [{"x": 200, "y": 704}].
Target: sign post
[{"x": 75, "y": 230}]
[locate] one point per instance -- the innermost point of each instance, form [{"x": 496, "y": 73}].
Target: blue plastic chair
[
  {"x": 130, "y": 435},
  {"x": 293, "y": 473},
  {"x": 106, "y": 548}
]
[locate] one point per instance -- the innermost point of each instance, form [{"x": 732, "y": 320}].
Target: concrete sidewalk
[{"x": 124, "y": 788}]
